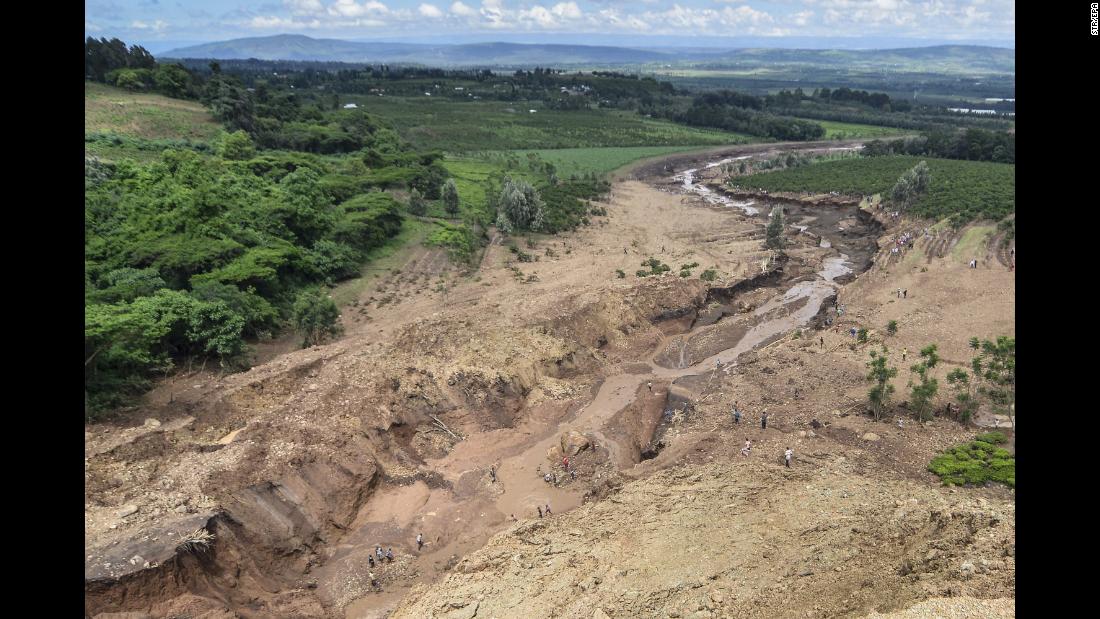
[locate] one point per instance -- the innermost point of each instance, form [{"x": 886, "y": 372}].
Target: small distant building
[
  {"x": 427, "y": 94},
  {"x": 350, "y": 106},
  {"x": 459, "y": 88},
  {"x": 532, "y": 111}
]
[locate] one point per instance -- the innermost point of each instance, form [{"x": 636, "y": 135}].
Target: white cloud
[
  {"x": 802, "y": 18},
  {"x": 282, "y": 23},
  {"x": 349, "y": 8},
  {"x": 304, "y": 7},
  {"x": 462, "y": 10},
  {"x": 493, "y": 14},
  {"x": 90, "y": 27},
  {"x": 155, "y": 26},
  {"x": 566, "y": 10},
  {"x": 537, "y": 15},
  {"x": 430, "y": 10}
]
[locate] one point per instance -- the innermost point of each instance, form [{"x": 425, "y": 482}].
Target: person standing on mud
[
  {"x": 904, "y": 353},
  {"x": 823, "y": 342},
  {"x": 650, "y": 385},
  {"x": 747, "y": 448},
  {"x": 373, "y": 580},
  {"x": 419, "y": 541},
  {"x": 736, "y": 413},
  {"x": 905, "y": 293},
  {"x": 538, "y": 507},
  {"x": 389, "y": 555},
  {"x": 370, "y": 559},
  {"x": 548, "y": 509},
  {"x": 787, "y": 457},
  {"x": 493, "y": 474},
  {"x": 764, "y": 421}
]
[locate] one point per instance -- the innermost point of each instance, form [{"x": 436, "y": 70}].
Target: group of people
[
  {"x": 386, "y": 556},
  {"x": 737, "y": 416},
  {"x": 747, "y": 449},
  {"x": 903, "y": 241},
  {"x": 903, "y": 293}
]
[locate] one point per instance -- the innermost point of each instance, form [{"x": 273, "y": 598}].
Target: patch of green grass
[
  {"x": 972, "y": 242},
  {"x": 843, "y": 131},
  {"x": 113, "y": 110},
  {"x": 383, "y": 258},
  {"x": 960, "y": 190},
  {"x": 976, "y": 462}
]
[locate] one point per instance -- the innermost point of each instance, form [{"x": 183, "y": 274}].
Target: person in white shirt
[{"x": 787, "y": 457}]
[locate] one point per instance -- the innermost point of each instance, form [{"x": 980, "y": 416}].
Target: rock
[
  {"x": 467, "y": 612},
  {"x": 312, "y": 387},
  {"x": 573, "y": 442},
  {"x": 811, "y": 434},
  {"x": 152, "y": 423},
  {"x": 126, "y": 510},
  {"x": 180, "y": 509},
  {"x": 599, "y": 614},
  {"x": 871, "y": 436}
]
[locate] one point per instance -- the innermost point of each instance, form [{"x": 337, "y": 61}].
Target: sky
[{"x": 194, "y": 21}]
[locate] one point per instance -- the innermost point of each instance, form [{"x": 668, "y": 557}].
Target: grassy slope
[
  {"x": 972, "y": 189},
  {"x": 139, "y": 118}
]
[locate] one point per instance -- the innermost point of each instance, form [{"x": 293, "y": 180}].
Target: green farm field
[
  {"x": 462, "y": 126},
  {"x": 962, "y": 190}
]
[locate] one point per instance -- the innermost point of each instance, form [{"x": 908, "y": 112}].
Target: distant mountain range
[{"x": 300, "y": 47}]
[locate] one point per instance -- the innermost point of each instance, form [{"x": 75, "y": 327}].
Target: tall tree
[
  {"x": 450, "y": 197},
  {"x": 880, "y": 375},
  {"x": 774, "y": 230}
]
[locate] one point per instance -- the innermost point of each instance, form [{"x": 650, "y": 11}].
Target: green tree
[
  {"x": 236, "y": 146},
  {"x": 892, "y": 327},
  {"x": 417, "y": 205},
  {"x": 520, "y": 206},
  {"x": 959, "y": 380},
  {"x": 316, "y": 317},
  {"x": 911, "y": 185},
  {"x": 923, "y": 392},
  {"x": 880, "y": 375},
  {"x": 774, "y": 230},
  {"x": 995, "y": 370},
  {"x": 450, "y": 197}
]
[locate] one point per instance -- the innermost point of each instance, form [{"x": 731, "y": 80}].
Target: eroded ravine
[{"x": 520, "y": 455}]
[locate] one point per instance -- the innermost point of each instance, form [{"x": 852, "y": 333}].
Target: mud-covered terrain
[{"x": 444, "y": 414}]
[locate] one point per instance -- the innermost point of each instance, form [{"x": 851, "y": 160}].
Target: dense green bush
[
  {"x": 188, "y": 255},
  {"x": 976, "y": 462}
]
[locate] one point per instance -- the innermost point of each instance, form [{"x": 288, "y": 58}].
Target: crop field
[
  {"x": 962, "y": 190},
  {"x": 461, "y": 126},
  {"x": 844, "y": 131},
  {"x": 600, "y": 161}
]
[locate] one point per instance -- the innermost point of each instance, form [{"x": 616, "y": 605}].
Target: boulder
[
  {"x": 573, "y": 442},
  {"x": 871, "y": 436},
  {"x": 126, "y": 510}
]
